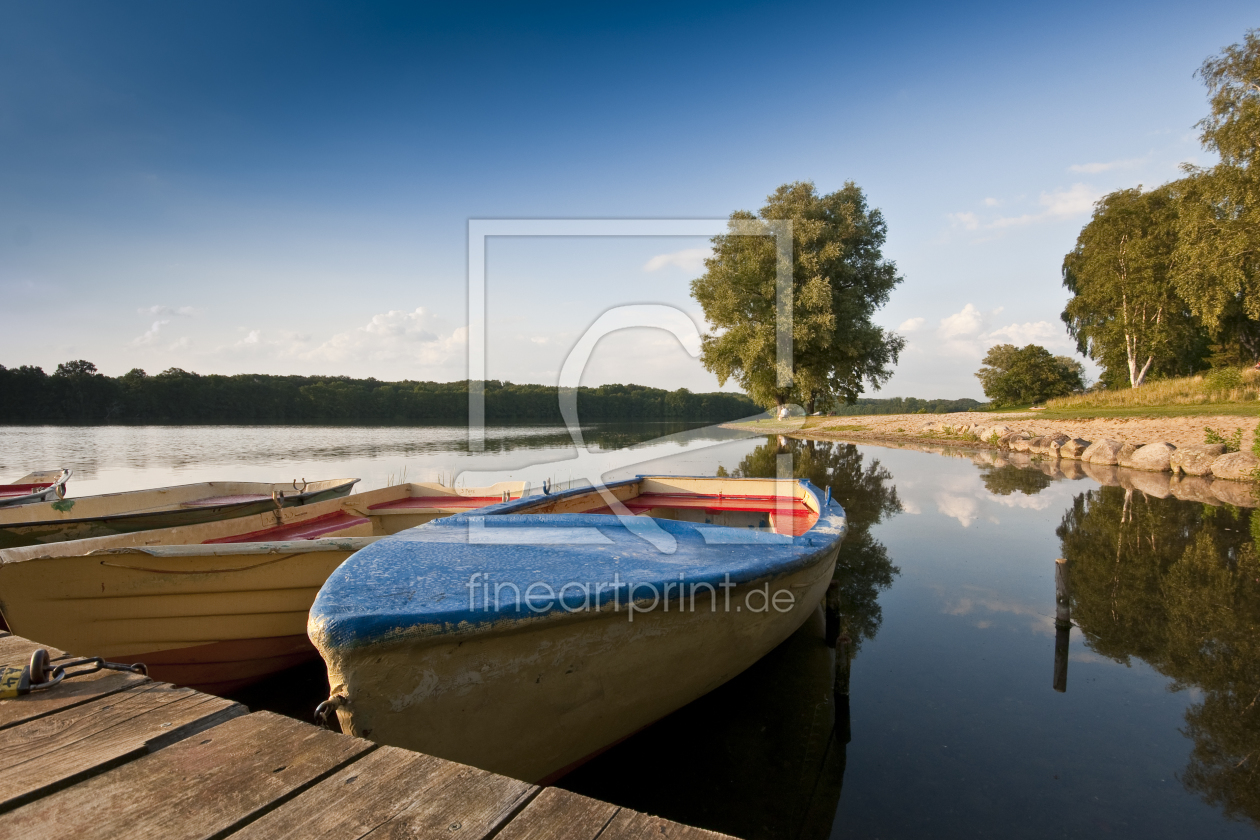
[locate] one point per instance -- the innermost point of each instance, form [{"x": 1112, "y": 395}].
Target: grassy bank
[{"x": 1212, "y": 391}]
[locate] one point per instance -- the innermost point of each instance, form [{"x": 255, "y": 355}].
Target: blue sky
[{"x": 285, "y": 187}]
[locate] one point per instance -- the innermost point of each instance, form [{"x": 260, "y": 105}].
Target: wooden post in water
[
  {"x": 1062, "y": 624},
  {"x": 840, "y": 689},
  {"x": 831, "y": 610}
]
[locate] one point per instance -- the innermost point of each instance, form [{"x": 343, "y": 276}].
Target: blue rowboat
[{"x": 526, "y": 637}]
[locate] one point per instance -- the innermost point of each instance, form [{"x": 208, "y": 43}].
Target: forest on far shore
[{"x": 77, "y": 393}]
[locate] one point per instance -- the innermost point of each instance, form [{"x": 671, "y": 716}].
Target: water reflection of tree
[
  {"x": 868, "y": 496},
  {"x": 1008, "y": 478},
  {"x": 765, "y": 754},
  {"x": 1178, "y": 585}
]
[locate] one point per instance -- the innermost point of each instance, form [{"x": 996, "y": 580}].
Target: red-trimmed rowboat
[
  {"x": 216, "y": 605},
  {"x": 35, "y": 487}
]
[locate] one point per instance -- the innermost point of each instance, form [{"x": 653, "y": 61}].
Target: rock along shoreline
[{"x": 1148, "y": 445}]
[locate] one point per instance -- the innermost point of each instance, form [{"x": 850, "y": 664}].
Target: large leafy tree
[
  {"x": 1217, "y": 261},
  {"x": 1124, "y": 312},
  {"x": 1017, "y": 375},
  {"x": 839, "y": 279}
]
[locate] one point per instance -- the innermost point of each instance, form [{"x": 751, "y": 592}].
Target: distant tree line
[
  {"x": 1166, "y": 282},
  {"x": 906, "y": 405},
  {"x": 78, "y": 393}
]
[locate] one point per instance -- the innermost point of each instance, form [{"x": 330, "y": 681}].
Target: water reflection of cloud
[
  {"x": 1093, "y": 658},
  {"x": 975, "y": 599},
  {"x": 963, "y": 508},
  {"x": 1039, "y": 502},
  {"x": 965, "y": 498}
]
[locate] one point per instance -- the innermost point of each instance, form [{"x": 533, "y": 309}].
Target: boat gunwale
[
  {"x": 16, "y": 525},
  {"x": 346, "y": 630}
]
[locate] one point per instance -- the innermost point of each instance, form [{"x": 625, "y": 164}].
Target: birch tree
[
  {"x": 1217, "y": 260},
  {"x": 1124, "y": 312}
]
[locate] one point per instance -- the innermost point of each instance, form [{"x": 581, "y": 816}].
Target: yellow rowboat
[
  {"x": 35, "y": 487},
  {"x": 162, "y": 507},
  {"x": 526, "y": 637},
  {"x": 216, "y": 605}
]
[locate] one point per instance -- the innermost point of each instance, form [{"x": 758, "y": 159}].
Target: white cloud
[
  {"x": 967, "y": 333},
  {"x": 1039, "y": 332},
  {"x": 1076, "y": 200},
  {"x": 162, "y": 315},
  {"x": 150, "y": 335},
  {"x": 1095, "y": 168},
  {"x": 911, "y": 324},
  {"x": 415, "y": 339},
  {"x": 968, "y": 321},
  {"x": 391, "y": 345},
  {"x": 689, "y": 259},
  {"x": 966, "y": 221},
  {"x": 182, "y": 311}
]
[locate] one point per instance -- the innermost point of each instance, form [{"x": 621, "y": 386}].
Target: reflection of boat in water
[
  {"x": 162, "y": 507},
  {"x": 444, "y": 639},
  {"x": 217, "y": 605},
  {"x": 764, "y": 756},
  {"x": 35, "y": 487}
]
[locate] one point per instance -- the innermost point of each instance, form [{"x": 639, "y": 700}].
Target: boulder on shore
[
  {"x": 1196, "y": 460},
  {"x": 1007, "y": 440},
  {"x": 1103, "y": 451},
  {"x": 1153, "y": 457},
  {"x": 1236, "y": 466},
  {"x": 1047, "y": 445},
  {"x": 1021, "y": 444},
  {"x": 1072, "y": 448},
  {"x": 1125, "y": 453}
]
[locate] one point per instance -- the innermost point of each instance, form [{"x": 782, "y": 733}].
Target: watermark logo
[
  {"x": 486, "y": 595},
  {"x": 587, "y": 468}
]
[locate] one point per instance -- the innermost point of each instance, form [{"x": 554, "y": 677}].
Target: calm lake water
[{"x": 951, "y": 726}]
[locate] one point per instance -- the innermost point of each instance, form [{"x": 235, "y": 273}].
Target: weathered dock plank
[
  {"x": 632, "y": 825},
  {"x": 16, "y": 652},
  {"x": 51, "y": 752},
  {"x": 397, "y": 793},
  {"x": 557, "y": 814},
  {"x": 204, "y": 786},
  {"x": 96, "y": 757}
]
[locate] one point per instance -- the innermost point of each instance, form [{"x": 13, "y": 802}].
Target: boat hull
[
  {"x": 534, "y": 698},
  {"x": 210, "y": 622},
  {"x": 215, "y": 606},
  {"x": 101, "y": 516}
]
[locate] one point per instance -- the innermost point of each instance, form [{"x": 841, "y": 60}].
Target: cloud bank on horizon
[{"x": 291, "y": 196}]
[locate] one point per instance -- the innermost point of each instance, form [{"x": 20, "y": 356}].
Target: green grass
[
  {"x": 1240, "y": 409},
  {"x": 1199, "y": 394}
]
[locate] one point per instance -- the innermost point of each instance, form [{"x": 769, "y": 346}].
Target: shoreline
[
  {"x": 1180, "y": 431},
  {"x": 1165, "y": 447}
]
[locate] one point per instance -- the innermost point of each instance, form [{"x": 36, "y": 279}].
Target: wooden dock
[{"x": 116, "y": 754}]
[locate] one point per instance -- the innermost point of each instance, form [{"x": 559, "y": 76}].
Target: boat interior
[
  {"x": 780, "y": 506},
  {"x": 182, "y": 497},
  {"x": 33, "y": 483},
  {"x": 372, "y": 513}
]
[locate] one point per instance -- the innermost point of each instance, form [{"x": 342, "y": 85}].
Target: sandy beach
[{"x": 1179, "y": 431}]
